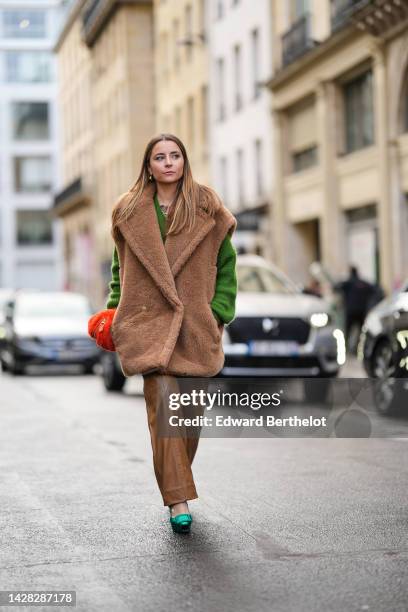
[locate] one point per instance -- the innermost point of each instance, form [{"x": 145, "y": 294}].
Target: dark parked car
[
  {"x": 47, "y": 328},
  {"x": 277, "y": 331},
  {"x": 5, "y": 296},
  {"x": 383, "y": 349}
]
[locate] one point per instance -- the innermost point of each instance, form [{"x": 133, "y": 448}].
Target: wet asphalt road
[{"x": 280, "y": 524}]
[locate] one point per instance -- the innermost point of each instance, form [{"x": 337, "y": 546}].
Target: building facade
[
  {"x": 105, "y": 54},
  {"x": 181, "y": 77},
  {"x": 242, "y": 163},
  {"x": 30, "y": 239},
  {"x": 340, "y": 115}
]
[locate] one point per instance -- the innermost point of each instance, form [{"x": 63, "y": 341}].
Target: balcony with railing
[
  {"x": 373, "y": 16},
  {"x": 94, "y": 14},
  {"x": 70, "y": 197},
  {"x": 342, "y": 10},
  {"x": 97, "y": 13},
  {"x": 297, "y": 40}
]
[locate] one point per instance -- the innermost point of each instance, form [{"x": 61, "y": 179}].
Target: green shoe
[{"x": 181, "y": 523}]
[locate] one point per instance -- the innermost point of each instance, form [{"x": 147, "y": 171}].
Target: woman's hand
[{"x": 99, "y": 326}]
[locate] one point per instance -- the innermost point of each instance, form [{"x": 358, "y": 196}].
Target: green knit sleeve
[
  {"x": 226, "y": 286},
  {"x": 114, "y": 285}
]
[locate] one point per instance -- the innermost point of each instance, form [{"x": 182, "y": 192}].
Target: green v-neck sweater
[{"x": 223, "y": 302}]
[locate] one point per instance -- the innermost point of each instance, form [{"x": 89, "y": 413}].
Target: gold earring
[{"x": 150, "y": 177}]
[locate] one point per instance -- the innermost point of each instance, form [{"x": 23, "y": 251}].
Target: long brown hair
[{"x": 182, "y": 212}]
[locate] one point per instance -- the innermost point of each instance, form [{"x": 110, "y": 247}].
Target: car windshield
[
  {"x": 48, "y": 306},
  {"x": 261, "y": 280}
]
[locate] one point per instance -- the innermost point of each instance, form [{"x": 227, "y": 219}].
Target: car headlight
[{"x": 319, "y": 319}]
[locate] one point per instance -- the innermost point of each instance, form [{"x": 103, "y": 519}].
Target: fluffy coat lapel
[{"x": 162, "y": 261}]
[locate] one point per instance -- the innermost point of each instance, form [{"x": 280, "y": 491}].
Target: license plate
[
  {"x": 270, "y": 347},
  {"x": 63, "y": 355}
]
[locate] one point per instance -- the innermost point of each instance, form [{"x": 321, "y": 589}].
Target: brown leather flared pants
[{"x": 172, "y": 455}]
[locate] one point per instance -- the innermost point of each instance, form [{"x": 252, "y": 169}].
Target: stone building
[
  {"x": 181, "y": 77},
  {"x": 340, "y": 111},
  {"x": 105, "y": 55}
]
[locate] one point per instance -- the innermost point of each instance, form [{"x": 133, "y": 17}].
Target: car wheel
[
  {"x": 4, "y": 366},
  {"x": 385, "y": 385},
  {"x": 88, "y": 368},
  {"x": 316, "y": 390},
  {"x": 16, "y": 369},
  {"x": 113, "y": 379}
]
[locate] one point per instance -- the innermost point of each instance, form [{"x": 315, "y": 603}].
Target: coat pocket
[{"x": 216, "y": 328}]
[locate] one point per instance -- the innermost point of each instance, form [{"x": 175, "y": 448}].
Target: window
[
  {"x": 258, "y": 167},
  {"x": 220, "y": 89},
  {"x": 299, "y": 9},
  {"x": 304, "y": 159},
  {"x": 302, "y": 135},
  {"x": 240, "y": 177},
  {"x": 204, "y": 113},
  {"x": 34, "y": 227},
  {"x": 224, "y": 178},
  {"x": 177, "y": 121},
  {"x": 24, "y": 24},
  {"x": 30, "y": 120},
  {"x": 359, "y": 115},
  {"x": 202, "y": 17},
  {"x": 405, "y": 107},
  {"x": 176, "y": 48},
  {"x": 190, "y": 121},
  {"x": 164, "y": 56},
  {"x": 237, "y": 78},
  {"x": 189, "y": 32},
  {"x": 32, "y": 174},
  {"x": 255, "y": 59},
  {"x": 219, "y": 9},
  {"x": 28, "y": 67}
]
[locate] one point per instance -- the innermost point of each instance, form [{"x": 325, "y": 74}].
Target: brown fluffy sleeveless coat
[{"x": 164, "y": 320}]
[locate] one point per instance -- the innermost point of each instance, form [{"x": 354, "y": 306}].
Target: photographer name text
[{"x": 260, "y": 421}]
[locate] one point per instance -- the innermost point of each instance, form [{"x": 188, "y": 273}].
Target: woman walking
[{"x": 173, "y": 289}]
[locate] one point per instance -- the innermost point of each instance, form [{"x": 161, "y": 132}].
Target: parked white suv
[{"x": 278, "y": 330}]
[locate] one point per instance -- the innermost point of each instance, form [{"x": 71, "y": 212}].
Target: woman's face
[{"x": 166, "y": 162}]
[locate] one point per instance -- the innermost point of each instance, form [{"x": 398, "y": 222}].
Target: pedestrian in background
[
  {"x": 173, "y": 289},
  {"x": 358, "y": 297}
]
